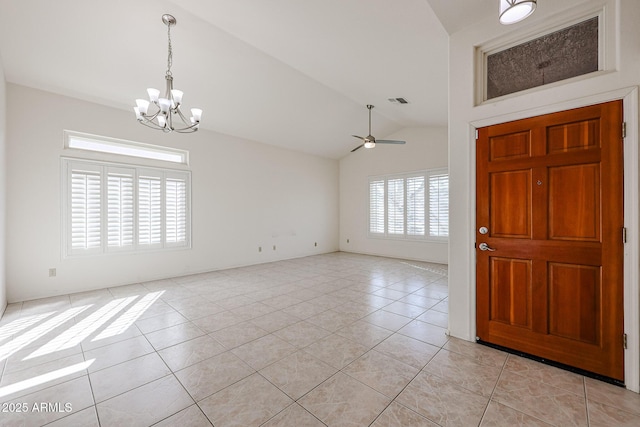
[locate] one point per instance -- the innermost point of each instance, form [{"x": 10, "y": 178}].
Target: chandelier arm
[
  {"x": 151, "y": 117},
  {"x": 153, "y": 125},
  {"x": 188, "y": 129},
  {"x": 186, "y": 121},
  {"x": 148, "y": 121},
  {"x": 150, "y": 124}
]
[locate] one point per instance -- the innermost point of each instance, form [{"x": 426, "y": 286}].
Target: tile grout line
[
  {"x": 495, "y": 386},
  {"x": 404, "y": 388},
  {"x": 586, "y": 400},
  {"x": 507, "y": 405}
]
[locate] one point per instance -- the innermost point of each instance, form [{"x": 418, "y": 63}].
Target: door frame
[{"x": 629, "y": 97}]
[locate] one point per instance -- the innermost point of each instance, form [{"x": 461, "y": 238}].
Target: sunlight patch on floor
[
  {"x": 19, "y": 324},
  {"x": 130, "y": 316},
  {"x": 44, "y": 378},
  {"x": 76, "y": 334},
  {"x": 27, "y": 338}
]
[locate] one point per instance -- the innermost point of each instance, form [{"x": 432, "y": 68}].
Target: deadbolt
[{"x": 483, "y": 230}]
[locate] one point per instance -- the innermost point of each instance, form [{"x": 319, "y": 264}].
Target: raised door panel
[
  {"x": 566, "y": 137},
  {"x": 510, "y": 146},
  {"x": 574, "y": 203},
  {"x": 510, "y": 298},
  {"x": 510, "y": 208},
  {"x": 574, "y": 302}
]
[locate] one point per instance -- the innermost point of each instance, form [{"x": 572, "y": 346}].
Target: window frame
[
  {"x": 406, "y": 234},
  {"x": 68, "y": 164}
]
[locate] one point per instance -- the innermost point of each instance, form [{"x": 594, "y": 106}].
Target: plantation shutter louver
[
  {"x": 85, "y": 207},
  {"x": 415, "y": 206},
  {"x": 439, "y": 205},
  {"x": 376, "y": 207},
  {"x": 176, "y": 210},
  {"x": 120, "y": 211},
  {"x": 395, "y": 206},
  {"x": 149, "y": 210}
]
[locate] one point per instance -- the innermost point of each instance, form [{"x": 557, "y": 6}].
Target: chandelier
[
  {"x": 165, "y": 113},
  {"x": 512, "y": 11}
]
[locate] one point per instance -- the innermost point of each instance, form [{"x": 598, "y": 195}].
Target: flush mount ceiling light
[
  {"x": 512, "y": 11},
  {"x": 165, "y": 114}
]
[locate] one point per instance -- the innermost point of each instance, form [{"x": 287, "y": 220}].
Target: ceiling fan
[{"x": 370, "y": 141}]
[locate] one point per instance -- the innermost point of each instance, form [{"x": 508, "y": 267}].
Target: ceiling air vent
[{"x": 398, "y": 101}]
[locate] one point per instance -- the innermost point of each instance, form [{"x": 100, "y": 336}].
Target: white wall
[
  {"x": 622, "y": 35},
  {"x": 244, "y": 195},
  {"x": 426, "y": 148},
  {"x": 3, "y": 192}
]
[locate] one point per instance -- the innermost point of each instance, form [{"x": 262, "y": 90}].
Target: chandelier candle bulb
[
  {"x": 164, "y": 104},
  {"x": 143, "y": 105},
  {"x": 154, "y": 94},
  {"x": 165, "y": 111},
  {"x": 177, "y": 96}
]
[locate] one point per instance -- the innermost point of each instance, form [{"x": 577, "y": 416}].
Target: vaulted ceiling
[{"x": 291, "y": 73}]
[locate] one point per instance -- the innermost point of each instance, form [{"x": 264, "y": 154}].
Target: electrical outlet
[{"x": 52, "y": 272}]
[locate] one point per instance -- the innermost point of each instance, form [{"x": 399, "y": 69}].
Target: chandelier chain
[{"x": 170, "y": 54}]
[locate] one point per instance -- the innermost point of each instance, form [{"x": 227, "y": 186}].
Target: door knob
[{"x": 484, "y": 247}]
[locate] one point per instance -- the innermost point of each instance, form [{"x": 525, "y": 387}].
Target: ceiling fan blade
[
  {"x": 357, "y": 148},
  {"x": 359, "y": 137},
  {"x": 389, "y": 141}
]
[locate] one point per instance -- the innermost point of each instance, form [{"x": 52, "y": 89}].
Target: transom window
[
  {"x": 103, "y": 144},
  {"x": 414, "y": 205}
]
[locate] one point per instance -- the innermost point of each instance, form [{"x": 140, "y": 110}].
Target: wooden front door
[{"x": 549, "y": 211}]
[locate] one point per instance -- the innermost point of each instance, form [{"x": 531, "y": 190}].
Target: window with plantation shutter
[
  {"x": 84, "y": 208},
  {"x": 411, "y": 206},
  {"x": 112, "y": 207},
  {"x": 120, "y": 208},
  {"x": 415, "y": 206},
  {"x": 176, "y": 210},
  {"x": 149, "y": 210},
  {"x": 376, "y": 207},
  {"x": 439, "y": 205},
  {"x": 395, "y": 206}
]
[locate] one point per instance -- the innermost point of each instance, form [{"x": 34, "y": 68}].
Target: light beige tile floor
[{"x": 337, "y": 339}]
